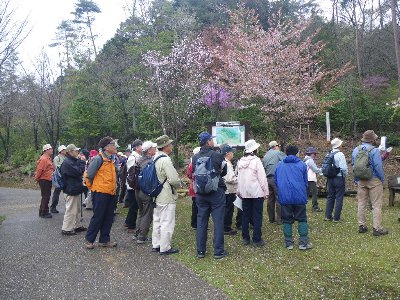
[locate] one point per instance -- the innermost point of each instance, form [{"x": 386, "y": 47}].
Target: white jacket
[{"x": 252, "y": 181}]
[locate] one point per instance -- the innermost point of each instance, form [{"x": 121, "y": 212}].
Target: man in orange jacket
[
  {"x": 44, "y": 172},
  {"x": 101, "y": 179}
]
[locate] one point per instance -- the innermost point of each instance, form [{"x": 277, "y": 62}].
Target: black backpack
[
  {"x": 133, "y": 177},
  {"x": 329, "y": 169}
]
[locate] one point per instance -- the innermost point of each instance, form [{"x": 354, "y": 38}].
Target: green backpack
[{"x": 362, "y": 168}]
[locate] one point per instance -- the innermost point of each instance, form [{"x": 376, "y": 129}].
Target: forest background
[{"x": 174, "y": 66}]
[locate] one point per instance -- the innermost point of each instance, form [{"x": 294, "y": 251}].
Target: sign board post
[{"x": 328, "y": 127}]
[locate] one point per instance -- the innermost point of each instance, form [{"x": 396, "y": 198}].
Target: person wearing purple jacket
[{"x": 291, "y": 180}]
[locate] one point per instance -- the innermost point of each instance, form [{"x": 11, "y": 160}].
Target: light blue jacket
[{"x": 374, "y": 159}]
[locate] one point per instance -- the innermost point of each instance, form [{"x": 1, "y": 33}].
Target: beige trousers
[
  {"x": 72, "y": 216},
  {"x": 163, "y": 226},
  {"x": 370, "y": 189}
]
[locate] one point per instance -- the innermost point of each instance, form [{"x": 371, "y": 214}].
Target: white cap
[
  {"x": 46, "y": 147},
  {"x": 61, "y": 148},
  {"x": 147, "y": 145}
]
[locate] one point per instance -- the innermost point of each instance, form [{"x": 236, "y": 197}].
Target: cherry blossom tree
[
  {"x": 178, "y": 83},
  {"x": 278, "y": 69}
]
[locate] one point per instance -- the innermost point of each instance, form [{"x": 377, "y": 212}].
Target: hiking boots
[
  {"x": 259, "y": 244},
  {"x": 379, "y": 232},
  {"x": 68, "y": 232},
  {"x": 222, "y": 255},
  {"x": 54, "y": 211},
  {"x": 46, "y": 216},
  {"x": 170, "y": 251},
  {"x": 80, "y": 229},
  {"x": 305, "y": 247},
  {"x": 108, "y": 244},
  {"x": 143, "y": 240},
  {"x": 230, "y": 232},
  {"x": 89, "y": 245},
  {"x": 201, "y": 254},
  {"x": 317, "y": 209},
  {"x": 362, "y": 229}
]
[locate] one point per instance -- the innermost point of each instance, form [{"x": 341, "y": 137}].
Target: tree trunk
[
  {"x": 92, "y": 37},
  {"x": 357, "y": 32},
  {"x": 393, "y": 7}
]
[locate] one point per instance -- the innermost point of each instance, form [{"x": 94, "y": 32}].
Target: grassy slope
[{"x": 342, "y": 265}]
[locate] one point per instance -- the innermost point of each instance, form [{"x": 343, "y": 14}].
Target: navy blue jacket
[
  {"x": 72, "y": 171},
  {"x": 217, "y": 160},
  {"x": 291, "y": 180}
]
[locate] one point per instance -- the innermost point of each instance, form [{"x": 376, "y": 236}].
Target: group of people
[{"x": 283, "y": 179}]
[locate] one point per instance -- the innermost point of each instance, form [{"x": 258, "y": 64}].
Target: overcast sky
[{"x": 44, "y": 16}]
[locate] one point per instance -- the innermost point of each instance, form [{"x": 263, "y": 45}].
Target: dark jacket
[
  {"x": 217, "y": 160},
  {"x": 72, "y": 171},
  {"x": 291, "y": 180}
]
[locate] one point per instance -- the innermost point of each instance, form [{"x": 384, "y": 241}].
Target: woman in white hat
[{"x": 252, "y": 188}]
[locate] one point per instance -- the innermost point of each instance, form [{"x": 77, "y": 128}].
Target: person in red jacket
[{"x": 44, "y": 172}]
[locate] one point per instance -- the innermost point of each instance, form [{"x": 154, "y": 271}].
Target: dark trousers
[
  {"x": 45, "y": 191},
  {"x": 291, "y": 213},
  {"x": 229, "y": 208},
  {"x": 336, "y": 189},
  {"x": 193, "y": 222},
  {"x": 133, "y": 210},
  {"x": 239, "y": 217},
  {"x": 214, "y": 204},
  {"x": 122, "y": 192},
  {"x": 252, "y": 210},
  {"x": 55, "y": 198},
  {"x": 273, "y": 207},
  {"x": 146, "y": 207},
  {"x": 102, "y": 219},
  {"x": 312, "y": 189}
]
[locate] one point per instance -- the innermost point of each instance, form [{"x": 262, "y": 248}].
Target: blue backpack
[
  {"x": 148, "y": 180},
  {"x": 205, "y": 177},
  {"x": 57, "y": 180}
]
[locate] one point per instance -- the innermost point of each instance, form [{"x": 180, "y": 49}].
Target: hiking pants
[
  {"x": 370, "y": 189},
  {"x": 214, "y": 204},
  {"x": 252, "y": 210},
  {"x": 229, "y": 208},
  {"x": 336, "y": 188},
  {"x": 146, "y": 208},
  {"x": 55, "y": 198},
  {"x": 102, "y": 219},
  {"x": 163, "y": 226},
  {"x": 291, "y": 213},
  {"x": 45, "y": 191},
  {"x": 312, "y": 188},
  {"x": 273, "y": 207},
  {"x": 72, "y": 216},
  {"x": 133, "y": 210}
]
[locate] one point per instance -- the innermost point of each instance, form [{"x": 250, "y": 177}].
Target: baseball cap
[
  {"x": 148, "y": 144},
  {"x": 226, "y": 149},
  {"x": 61, "y": 148},
  {"x": 204, "y": 137},
  {"x": 72, "y": 147},
  {"x": 273, "y": 144}
]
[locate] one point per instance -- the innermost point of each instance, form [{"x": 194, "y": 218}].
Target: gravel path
[{"x": 37, "y": 262}]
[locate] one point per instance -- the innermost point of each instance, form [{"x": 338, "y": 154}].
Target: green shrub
[{"x": 29, "y": 168}]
